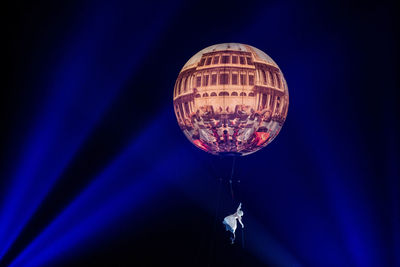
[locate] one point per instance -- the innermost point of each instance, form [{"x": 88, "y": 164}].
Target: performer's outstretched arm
[
  {"x": 240, "y": 206},
  {"x": 240, "y": 221}
]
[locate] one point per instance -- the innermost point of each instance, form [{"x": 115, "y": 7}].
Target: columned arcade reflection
[{"x": 231, "y": 98}]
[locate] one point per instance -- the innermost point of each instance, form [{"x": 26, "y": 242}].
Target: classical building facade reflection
[{"x": 231, "y": 98}]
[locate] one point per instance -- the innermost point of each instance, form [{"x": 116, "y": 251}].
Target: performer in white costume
[{"x": 230, "y": 221}]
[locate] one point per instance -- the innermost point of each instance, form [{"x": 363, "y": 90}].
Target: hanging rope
[
  {"x": 211, "y": 170},
  {"x": 217, "y": 208},
  {"x": 213, "y": 247},
  {"x": 215, "y": 222},
  {"x": 232, "y": 194},
  {"x": 242, "y": 238},
  {"x": 230, "y": 180}
]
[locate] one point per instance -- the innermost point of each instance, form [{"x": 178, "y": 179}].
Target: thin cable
[
  {"x": 242, "y": 237},
  {"x": 215, "y": 222},
  {"x": 231, "y": 187},
  {"x": 230, "y": 180},
  {"x": 211, "y": 170}
]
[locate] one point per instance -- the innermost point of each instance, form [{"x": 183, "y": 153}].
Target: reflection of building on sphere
[{"x": 231, "y": 98}]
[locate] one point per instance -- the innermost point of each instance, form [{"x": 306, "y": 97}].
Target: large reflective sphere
[{"x": 231, "y": 99}]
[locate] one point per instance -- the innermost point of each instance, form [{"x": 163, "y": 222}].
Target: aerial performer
[
  {"x": 231, "y": 100},
  {"x": 230, "y": 222}
]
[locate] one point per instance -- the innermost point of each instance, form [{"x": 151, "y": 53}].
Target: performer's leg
[{"x": 233, "y": 238}]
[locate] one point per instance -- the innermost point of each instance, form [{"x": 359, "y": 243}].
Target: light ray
[{"x": 81, "y": 92}]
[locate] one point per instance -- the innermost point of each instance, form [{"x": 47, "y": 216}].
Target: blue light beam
[
  {"x": 85, "y": 81},
  {"x": 128, "y": 182}
]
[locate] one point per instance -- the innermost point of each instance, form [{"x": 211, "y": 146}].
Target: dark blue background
[{"x": 95, "y": 171}]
